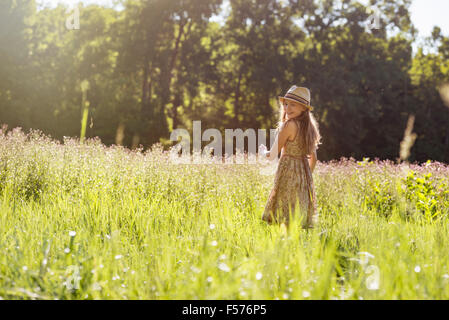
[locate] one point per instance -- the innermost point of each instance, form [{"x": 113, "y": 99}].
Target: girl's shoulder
[
  {"x": 288, "y": 123},
  {"x": 291, "y": 124},
  {"x": 293, "y": 127}
]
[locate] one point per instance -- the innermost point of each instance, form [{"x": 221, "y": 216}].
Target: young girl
[{"x": 297, "y": 140}]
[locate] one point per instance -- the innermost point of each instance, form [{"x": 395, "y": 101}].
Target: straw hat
[{"x": 297, "y": 94}]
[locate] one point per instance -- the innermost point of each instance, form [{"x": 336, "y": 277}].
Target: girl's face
[{"x": 293, "y": 109}]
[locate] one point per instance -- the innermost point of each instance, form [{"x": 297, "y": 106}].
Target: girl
[{"x": 297, "y": 140}]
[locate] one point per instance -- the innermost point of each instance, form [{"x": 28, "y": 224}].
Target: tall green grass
[{"x": 83, "y": 221}]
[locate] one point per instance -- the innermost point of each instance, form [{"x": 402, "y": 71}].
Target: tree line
[{"x": 139, "y": 70}]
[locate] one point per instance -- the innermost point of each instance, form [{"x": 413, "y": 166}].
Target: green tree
[{"x": 16, "y": 19}]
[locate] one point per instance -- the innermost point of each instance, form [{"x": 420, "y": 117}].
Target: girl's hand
[{"x": 263, "y": 150}]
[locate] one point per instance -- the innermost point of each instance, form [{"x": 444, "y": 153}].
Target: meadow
[{"x": 86, "y": 221}]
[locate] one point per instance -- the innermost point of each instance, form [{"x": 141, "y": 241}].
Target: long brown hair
[{"x": 309, "y": 133}]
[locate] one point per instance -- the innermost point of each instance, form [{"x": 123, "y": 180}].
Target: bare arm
[
  {"x": 286, "y": 131},
  {"x": 312, "y": 161}
]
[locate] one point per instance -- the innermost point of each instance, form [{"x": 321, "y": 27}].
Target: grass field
[{"x": 83, "y": 221}]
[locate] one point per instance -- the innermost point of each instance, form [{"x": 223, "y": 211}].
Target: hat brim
[{"x": 281, "y": 98}]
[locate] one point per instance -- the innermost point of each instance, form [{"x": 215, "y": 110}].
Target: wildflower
[
  {"x": 195, "y": 269},
  {"x": 96, "y": 286},
  {"x": 212, "y": 226},
  {"x": 283, "y": 229},
  {"x": 224, "y": 267},
  {"x": 72, "y": 233},
  {"x": 258, "y": 275}
]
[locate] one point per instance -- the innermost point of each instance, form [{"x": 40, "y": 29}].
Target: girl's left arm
[{"x": 312, "y": 161}]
